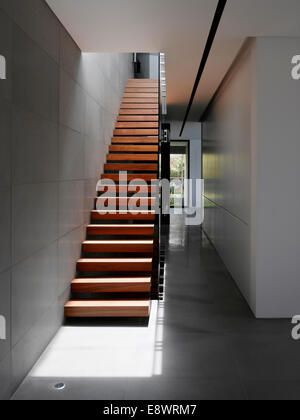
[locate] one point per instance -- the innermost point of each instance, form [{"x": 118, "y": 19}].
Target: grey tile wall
[{"x": 57, "y": 113}]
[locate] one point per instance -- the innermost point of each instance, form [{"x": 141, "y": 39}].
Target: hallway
[{"x": 207, "y": 343}]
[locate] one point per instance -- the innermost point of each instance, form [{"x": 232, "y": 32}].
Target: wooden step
[
  {"x": 149, "y": 85},
  {"x": 118, "y": 246},
  {"x": 139, "y": 85},
  {"x": 130, "y": 177},
  {"x": 140, "y": 95},
  {"x": 112, "y": 285},
  {"x": 101, "y": 203},
  {"x": 119, "y": 229},
  {"x": 142, "y": 80},
  {"x": 142, "y": 215},
  {"x": 137, "y": 124},
  {"x": 140, "y": 106},
  {"x": 147, "y": 167},
  {"x": 135, "y": 140},
  {"x": 127, "y": 157},
  {"x": 142, "y": 83},
  {"x": 140, "y": 100},
  {"x": 132, "y": 189},
  {"x": 136, "y": 132},
  {"x": 142, "y": 89},
  {"x": 141, "y": 111},
  {"x": 138, "y": 118},
  {"x": 114, "y": 264},
  {"x": 107, "y": 308},
  {"x": 135, "y": 148}
]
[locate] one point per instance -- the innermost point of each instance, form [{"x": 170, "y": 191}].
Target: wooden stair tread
[
  {"x": 140, "y": 95},
  {"x": 116, "y": 260},
  {"x": 118, "y": 246},
  {"x": 138, "y": 111},
  {"x": 140, "y": 101},
  {"x": 120, "y": 229},
  {"x": 114, "y": 264},
  {"x": 130, "y": 177},
  {"x": 111, "y": 303},
  {"x": 107, "y": 308},
  {"x": 128, "y": 105},
  {"x": 138, "y": 118},
  {"x": 142, "y": 89},
  {"x": 135, "y": 140},
  {"x": 105, "y": 203},
  {"x": 118, "y": 215},
  {"x": 136, "y": 132},
  {"x": 148, "y": 167},
  {"x": 107, "y": 280},
  {"x": 129, "y": 188},
  {"x": 131, "y": 157},
  {"x": 133, "y": 148},
  {"x": 111, "y": 285},
  {"x": 142, "y": 84},
  {"x": 137, "y": 124}
]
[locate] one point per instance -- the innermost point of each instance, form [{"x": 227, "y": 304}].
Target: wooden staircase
[{"x": 119, "y": 264}]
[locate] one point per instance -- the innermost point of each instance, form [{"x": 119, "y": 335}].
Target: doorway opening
[{"x": 179, "y": 172}]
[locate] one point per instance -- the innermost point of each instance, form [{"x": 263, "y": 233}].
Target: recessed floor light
[{"x": 59, "y": 386}]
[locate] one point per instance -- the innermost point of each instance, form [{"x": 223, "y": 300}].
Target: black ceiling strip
[{"x": 209, "y": 43}]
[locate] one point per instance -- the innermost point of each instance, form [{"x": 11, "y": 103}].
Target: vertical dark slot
[{"x": 209, "y": 43}]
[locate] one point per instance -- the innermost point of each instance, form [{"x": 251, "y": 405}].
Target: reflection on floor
[{"x": 205, "y": 343}]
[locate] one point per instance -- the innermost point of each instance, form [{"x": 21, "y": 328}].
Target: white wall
[
  {"x": 277, "y": 232},
  {"x": 153, "y": 64},
  {"x": 251, "y": 152},
  {"x": 226, "y": 171}
]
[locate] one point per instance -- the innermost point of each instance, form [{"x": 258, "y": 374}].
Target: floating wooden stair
[
  {"x": 135, "y": 148},
  {"x": 140, "y": 106},
  {"x": 121, "y": 229},
  {"x": 139, "y": 167},
  {"x": 115, "y": 264},
  {"x": 142, "y": 118},
  {"x": 121, "y": 216},
  {"x": 135, "y": 132},
  {"x": 119, "y": 254},
  {"x": 134, "y": 140},
  {"x": 107, "y": 308},
  {"x": 112, "y": 285},
  {"x": 143, "y": 247},
  {"x": 130, "y": 177},
  {"x": 130, "y": 189},
  {"x": 127, "y": 202},
  {"x": 129, "y": 157}
]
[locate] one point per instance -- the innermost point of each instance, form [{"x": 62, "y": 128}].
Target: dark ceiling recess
[{"x": 209, "y": 43}]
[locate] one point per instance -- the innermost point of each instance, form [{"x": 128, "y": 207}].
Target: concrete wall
[
  {"x": 227, "y": 135},
  {"x": 277, "y": 226},
  {"x": 57, "y": 112},
  {"x": 251, "y": 174}
]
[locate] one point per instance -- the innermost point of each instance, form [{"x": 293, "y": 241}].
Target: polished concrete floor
[{"x": 202, "y": 342}]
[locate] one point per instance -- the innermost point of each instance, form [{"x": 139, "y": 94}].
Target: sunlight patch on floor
[{"x": 110, "y": 352}]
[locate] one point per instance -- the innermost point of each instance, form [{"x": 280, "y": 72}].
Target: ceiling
[{"x": 179, "y": 28}]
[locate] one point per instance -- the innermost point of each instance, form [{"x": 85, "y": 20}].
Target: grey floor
[{"x": 209, "y": 345}]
